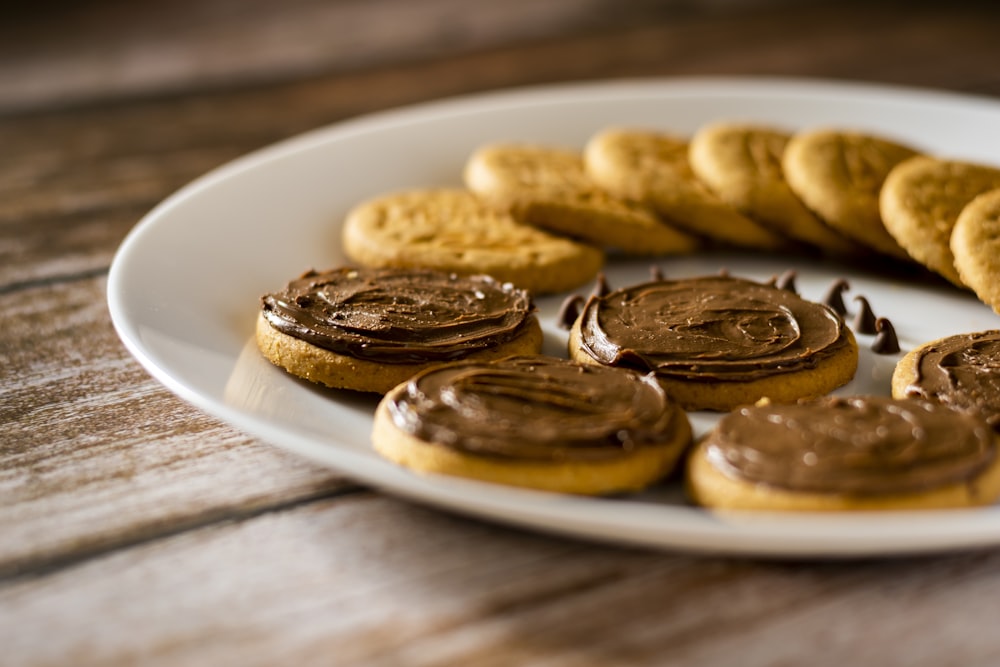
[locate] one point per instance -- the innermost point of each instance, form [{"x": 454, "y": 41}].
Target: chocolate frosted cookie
[
  {"x": 717, "y": 342},
  {"x": 370, "y": 329},
  {"x": 962, "y": 371},
  {"x": 855, "y": 453},
  {"x": 536, "y": 422}
]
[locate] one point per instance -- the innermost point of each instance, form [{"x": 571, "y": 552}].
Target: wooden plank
[
  {"x": 121, "y": 50},
  {"x": 368, "y": 580},
  {"x": 114, "y": 49},
  {"x": 135, "y": 529},
  {"x": 88, "y": 434}
]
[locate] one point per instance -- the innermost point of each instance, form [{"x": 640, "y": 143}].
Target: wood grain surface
[{"x": 136, "y": 530}]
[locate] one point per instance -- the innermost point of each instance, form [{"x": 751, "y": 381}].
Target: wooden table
[{"x": 136, "y": 530}]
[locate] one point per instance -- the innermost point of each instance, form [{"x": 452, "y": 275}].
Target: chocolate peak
[
  {"x": 834, "y": 296},
  {"x": 885, "y": 342},
  {"x": 864, "y": 321}
]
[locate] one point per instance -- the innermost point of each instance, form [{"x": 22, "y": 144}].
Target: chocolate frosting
[
  {"x": 399, "y": 315},
  {"x": 862, "y": 446},
  {"x": 962, "y": 371},
  {"x": 712, "y": 328},
  {"x": 535, "y": 408}
]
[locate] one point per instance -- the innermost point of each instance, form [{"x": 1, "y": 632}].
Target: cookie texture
[
  {"x": 715, "y": 343},
  {"x": 548, "y": 188},
  {"x": 370, "y": 329},
  {"x": 975, "y": 247},
  {"x": 653, "y": 168},
  {"x": 536, "y": 422},
  {"x": 839, "y": 175},
  {"x": 853, "y": 453},
  {"x": 741, "y": 164},
  {"x": 921, "y": 201},
  {"x": 451, "y": 229}
]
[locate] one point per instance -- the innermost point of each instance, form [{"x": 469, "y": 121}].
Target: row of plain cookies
[{"x": 845, "y": 194}]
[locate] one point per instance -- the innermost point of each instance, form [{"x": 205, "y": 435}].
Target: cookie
[
  {"x": 858, "y": 453},
  {"x": 975, "y": 246},
  {"x": 536, "y": 422},
  {"x": 451, "y": 229},
  {"x": 653, "y": 168},
  {"x": 717, "y": 342},
  {"x": 839, "y": 175},
  {"x": 962, "y": 371},
  {"x": 370, "y": 329},
  {"x": 548, "y": 188},
  {"x": 741, "y": 164},
  {"x": 920, "y": 203}
]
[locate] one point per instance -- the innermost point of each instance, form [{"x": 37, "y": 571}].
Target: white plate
[{"x": 184, "y": 287}]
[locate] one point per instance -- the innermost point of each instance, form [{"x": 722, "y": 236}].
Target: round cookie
[
  {"x": 535, "y": 422},
  {"x": 653, "y": 168},
  {"x": 741, "y": 164},
  {"x": 548, "y": 188},
  {"x": 858, "y": 453},
  {"x": 961, "y": 371},
  {"x": 370, "y": 329},
  {"x": 839, "y": 175},
  {"x": 920, "y": 203},
  {"x": 717, "y": 342},
  {"x": 453, "y": 230},
  {"x": 975, "y": 247}
]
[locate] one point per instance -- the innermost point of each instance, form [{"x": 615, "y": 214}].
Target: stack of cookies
[{"x": 437, "y": 315}]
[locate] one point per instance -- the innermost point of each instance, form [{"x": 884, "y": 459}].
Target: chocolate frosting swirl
[
  {"x": 962, "y": 371},
  {"x": 535, "y": 408},
  {"x": 399, "y": 316},
  {"x": 861, "y": 446},
  {"x": 713, "y": 328}
]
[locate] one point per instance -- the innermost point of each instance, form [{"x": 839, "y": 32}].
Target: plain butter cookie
[
  {"x": 975, "y": 245},
  {"x": 653, "y": 168},
  {"x": 921, "y": 201},
  {"x": 453, "y": 230},
  {"x": 839, "y": 175},
  {"x": 742, "y": 165},
  {"x": 548, "y": 188}
]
